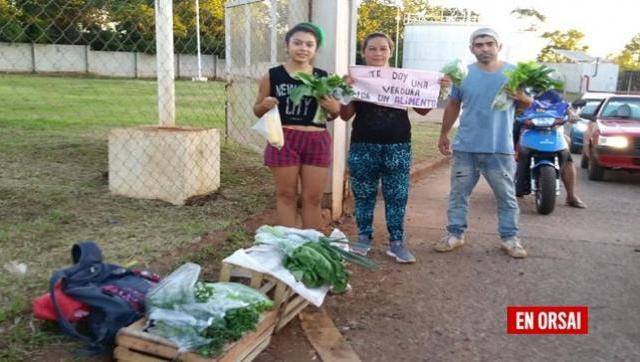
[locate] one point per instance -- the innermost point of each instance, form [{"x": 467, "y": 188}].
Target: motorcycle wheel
[{"x": 546, "y": 193}]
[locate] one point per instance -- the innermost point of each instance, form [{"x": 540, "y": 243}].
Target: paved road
[{"x": 452, "y": 306}]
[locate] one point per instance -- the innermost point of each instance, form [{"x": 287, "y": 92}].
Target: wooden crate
[
  {"x": 134, "y": 344},
  {"x": 286, "y": 301}
]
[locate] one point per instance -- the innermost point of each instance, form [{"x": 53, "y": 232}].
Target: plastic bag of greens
[
  {"x": 166, "y": 314},
  {"x": 457, "y": 71},
  {"x": 284, "y": 238},
  {"x": 175, "y": 289},
  {"x": 180, "y": 327},
  {"x": 202, "y": 316},
  {"x": 233, "y": 295}
]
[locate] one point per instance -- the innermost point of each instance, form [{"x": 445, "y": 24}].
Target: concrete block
[{"x": 170, "y": 164}]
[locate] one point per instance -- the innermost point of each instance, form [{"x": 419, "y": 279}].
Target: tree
[
  {"x": 11, "y": 28},
  {"x": 629, "y": 57},
  {"x": 532, "y": 15},
  {"x": 569, "y": 40},
  {"x": 380, "y": 16},
  {"x": 118, "y": 25}
]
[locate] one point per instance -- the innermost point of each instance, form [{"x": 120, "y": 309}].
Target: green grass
[
  {"x": 45, "y": 102},
  {"x": 424, "y": 141},
  {"x": 53, "y": 189}
]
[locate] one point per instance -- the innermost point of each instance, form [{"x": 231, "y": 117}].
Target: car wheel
[{"x": 595, "y": 172}]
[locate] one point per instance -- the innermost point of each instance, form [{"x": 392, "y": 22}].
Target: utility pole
[
  {"x": 199, "y": 77},
  {"x": 397, "y": 30}
]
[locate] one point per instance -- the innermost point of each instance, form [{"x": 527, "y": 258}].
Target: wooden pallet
[{"x": 134, "y": 344}]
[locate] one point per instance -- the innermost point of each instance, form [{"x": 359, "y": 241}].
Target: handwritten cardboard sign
[{"x": 395, "y": 87}]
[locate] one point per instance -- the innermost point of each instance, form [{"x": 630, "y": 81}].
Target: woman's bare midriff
[{"x": 304, "y": 128}]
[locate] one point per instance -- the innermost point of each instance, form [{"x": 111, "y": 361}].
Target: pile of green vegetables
[
  {"x": 203, "y": 316},
  {"x": 320, "y": 263},
  {"x": 313, "y": 259},
  {"x": 457, "y": 71},
  {"x": 320, "y": 87},
  {"x": 236, "y": 321},
  {"x": 529, "y": 76}
]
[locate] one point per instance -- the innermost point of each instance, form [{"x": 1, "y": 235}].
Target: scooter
[{"x": 541, "y": 140}]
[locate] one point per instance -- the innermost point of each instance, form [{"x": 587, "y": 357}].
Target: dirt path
[{"x": 451, "y": 307}]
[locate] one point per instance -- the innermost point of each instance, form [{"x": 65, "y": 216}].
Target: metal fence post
[
  {"x": 33, "y": 58},
  {"x": 86, "y": 59}
]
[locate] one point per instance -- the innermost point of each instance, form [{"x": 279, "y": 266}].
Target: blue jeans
[{"x": 499, "y": 171}]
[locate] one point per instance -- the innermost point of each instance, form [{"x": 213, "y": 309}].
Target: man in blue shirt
[{"x": 483, "y": 144}]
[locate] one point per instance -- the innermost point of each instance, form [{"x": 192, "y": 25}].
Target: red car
[{"x": 612, "y": 139}]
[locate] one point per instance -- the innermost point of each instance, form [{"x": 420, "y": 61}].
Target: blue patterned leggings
[{"x": 368, "y": 164}]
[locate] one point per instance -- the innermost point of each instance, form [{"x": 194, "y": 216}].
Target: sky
[{"x": 607, "y": 28}]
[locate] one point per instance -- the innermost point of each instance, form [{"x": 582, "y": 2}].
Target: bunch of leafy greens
[
  {"x": 457, "y": 71},
  {"x": 236, "y": 321},
  {"x": 320, "y": 87},
  {"x": 321, "y": 263},
  {"x": 311, "y": 257},
  {"x": 529, "y": 76}
]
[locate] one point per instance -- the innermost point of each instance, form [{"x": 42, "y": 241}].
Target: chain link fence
[
  {"x": 86, "y": 113},
  {"x": 255, "y": 43},
  {"x": 629, "y": 81},
  {"x": 89, "y": 68}
]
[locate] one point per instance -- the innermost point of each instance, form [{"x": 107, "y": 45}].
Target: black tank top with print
[
  {"x": 281, "y": 84},
  {"x": 379, "y": 124}
]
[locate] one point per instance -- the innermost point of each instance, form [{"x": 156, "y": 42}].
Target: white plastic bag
[{"x": 270, "y": 127}]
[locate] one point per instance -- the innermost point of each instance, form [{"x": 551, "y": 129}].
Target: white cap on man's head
[{"x": 484, "y": 32}]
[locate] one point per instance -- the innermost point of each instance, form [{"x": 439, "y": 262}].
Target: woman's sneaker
[
  {"x": 400, "y": 252},
  {"x": 362, "y": 246},
  {"x": 448, "y": 243}
]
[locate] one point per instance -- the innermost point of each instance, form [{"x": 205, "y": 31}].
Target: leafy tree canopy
[{"x": 569, "y": 40}]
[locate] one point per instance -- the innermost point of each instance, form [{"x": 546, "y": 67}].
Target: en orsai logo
[{"x": 548, "y": 320}]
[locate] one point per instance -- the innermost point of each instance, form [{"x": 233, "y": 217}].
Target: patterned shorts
[{"x": 311, "y": 148}]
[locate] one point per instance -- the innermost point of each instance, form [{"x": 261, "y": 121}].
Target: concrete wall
[
  {"x": 16, "y": 57},
  {"x": 430, "y": 46},
  {"x": 51, "y": 58},
  {"x": 146, "y": 65},
  {"x": 116, "y": 64},
  {"x": 188, "y": 66},
  {"x": 60, "y": 58}
]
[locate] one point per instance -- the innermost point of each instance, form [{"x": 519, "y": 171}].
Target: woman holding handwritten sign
[
  {"x": 380, "y": 151},
  {"x": 306, "y": 153}
]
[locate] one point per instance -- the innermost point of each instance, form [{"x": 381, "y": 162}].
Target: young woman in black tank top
[{"x": 306, "y": 153}]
